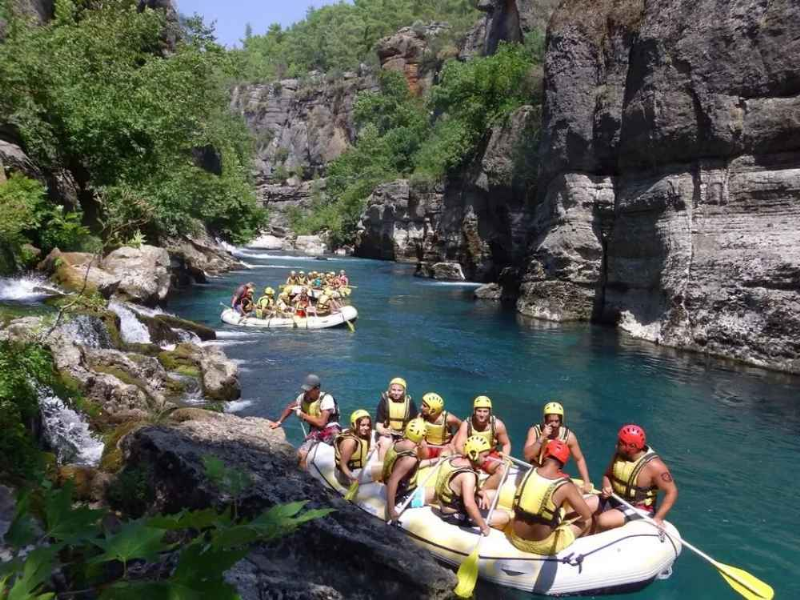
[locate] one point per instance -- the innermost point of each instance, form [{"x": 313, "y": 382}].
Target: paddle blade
[
  {"x": 467, "y": 575},
  {"x": 350, "y": 326},
  {"x": 746, "y": 584},
  {"x": 352, "y": 491}
]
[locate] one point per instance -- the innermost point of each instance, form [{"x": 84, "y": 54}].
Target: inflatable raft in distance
[
  {"x": 624, "y": 559},
  {"x": 339, "y": 319}
]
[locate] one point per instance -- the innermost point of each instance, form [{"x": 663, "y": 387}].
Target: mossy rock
[
  {"x": 184, "y": 355},
  {"x": 82, "y": 477},
  {"x": 151, "y": 350},
  {"x": 111, "y": 460},
  {"x": 203, "y": 332}
]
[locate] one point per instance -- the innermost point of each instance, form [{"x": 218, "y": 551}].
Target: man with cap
[
  {"x": 317, "y": 408},
  {"x": 242, "y": 300},
  {"x": 636, "y": 473},
  {"x": 541, "y": 524},
  {"x": 395, "y": 409},
  {"x": 553, "y": 428},
  {"x": 485, "y": 424}
]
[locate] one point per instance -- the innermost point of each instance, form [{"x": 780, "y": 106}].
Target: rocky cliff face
[
  {"x": 300, "y": 127},
  {"x": 479, "y": 218},
  {"x": 505, "y": 21},
  {"x": 670, "y": 175}
]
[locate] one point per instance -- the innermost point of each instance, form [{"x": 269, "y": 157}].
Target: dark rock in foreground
[{"x": 345, "y": 555}]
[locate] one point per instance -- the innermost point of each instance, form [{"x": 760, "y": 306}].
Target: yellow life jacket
[
  {"x": 291, "y": 280},
  {"x": 533, "y": 499},
  {"x": 563, "y": 435},
  {"x": 488, "y": 433},
  {"x": 447, "y": 472},
  {"x": 625, "y": 474},
  {"x": 313, "y": 408},
  {"x": 359, "y": 458},
  {"x": 392, "y": 455},
  {"x": 398, "y": 413},
  {"x": 438, "y": 434}
]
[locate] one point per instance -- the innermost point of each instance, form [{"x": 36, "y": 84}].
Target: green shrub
[
  {"x": 184, "y": 555},
  {"x": 21, "y": 368},
  {"x": 93, "y": 88}
]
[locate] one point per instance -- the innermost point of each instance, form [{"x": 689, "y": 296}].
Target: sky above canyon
[{"x": 232, "y": 16}]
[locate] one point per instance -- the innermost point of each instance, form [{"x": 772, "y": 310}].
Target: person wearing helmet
[
  {"x": 352, "y": 448},
  {"x": 636, "y": 473},
  {"x": 541, "y": 523},
  {"x": 242, "y": 300},
  {"x": 395, "y": 409},
  {"x": 439, "y": 427},
  {"x": 400, "y": 467},
  {"x": 291, "y": 280},
  {"x": 458, "y": 493},
  {"x": 265, "y": 306},
  {"x": 302, "y": 304},
  {"x": 301, "y": 278},
  {"x": 344, "y": 280},
  {"x": 284, "y": 303},
  {"x": 317, "y": 408},
  {"x": 552, "y": 428},
  {"x": 484, "y": 423}
]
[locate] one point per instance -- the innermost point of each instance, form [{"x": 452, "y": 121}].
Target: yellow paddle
[
  {"x": 350, "y": 326},
  {"x": 468, "y": 571},
  {"x": 353, "y": 489},
  {"x": 743, "y": 582}
]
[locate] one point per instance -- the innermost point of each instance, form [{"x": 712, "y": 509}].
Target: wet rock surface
[{"x": 318, "y": 561}]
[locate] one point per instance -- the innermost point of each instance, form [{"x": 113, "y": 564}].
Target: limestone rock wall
[
  {"x": 479, "y": 218},
  {"x": 670, "y": 156},
  {"x": 300, "y": 127}
]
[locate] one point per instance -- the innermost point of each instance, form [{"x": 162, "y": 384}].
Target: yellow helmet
[
  {"x": 269, "y": 291},
  {"x": 553, "y": 408},
  {"x": 474, "y": 445},
  {"x": 435, "y": 402},
  {"x": 398, "y": 381},
  {"x": 358, "y": 414},
  {"x": 482, "y": 402},
  {"x": 415, "y": 430}
]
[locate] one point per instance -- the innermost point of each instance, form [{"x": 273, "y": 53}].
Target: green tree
[{"x": 93, "y": 92}]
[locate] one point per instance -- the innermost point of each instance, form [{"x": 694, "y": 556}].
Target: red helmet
[
  {"x": 558, "y": 450},
  {"x": 632, "y": 435}
]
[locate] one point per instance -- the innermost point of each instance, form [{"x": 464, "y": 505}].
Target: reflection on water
[{"x": 724, "y": 429}]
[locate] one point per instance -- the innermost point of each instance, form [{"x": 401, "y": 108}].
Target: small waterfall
[
  {"x": 85, "y": 330},
  {"x": 26, "y": 288},
  {"x": 132, "y": 329},
  {"x": 66, "y": 432}
]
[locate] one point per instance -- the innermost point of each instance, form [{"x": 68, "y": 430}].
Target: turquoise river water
[{"x": 729, "y": 433}]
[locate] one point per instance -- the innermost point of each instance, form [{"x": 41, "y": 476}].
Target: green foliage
[
  {"x": 130, "y": 492},
  {"x": 229, "y": 481},
  {"x": 341, "y": 36},
  {"x": 402, "y": 136},
  {"x": 196, "y": 547},
  {"x": 22, "y": 367},
  {"x": 93, "y": 92},
  {"x": 27, "y": 217}
]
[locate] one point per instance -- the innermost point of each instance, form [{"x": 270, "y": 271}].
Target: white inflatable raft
[
  {"x": 623, "y": 559},
  {"x": 346, "y": 314}
]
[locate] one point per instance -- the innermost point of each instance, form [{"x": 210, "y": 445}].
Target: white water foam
[
  {"x": 226, "y": 334},
  {"x": 235, "y": 406},
  {"x": 67, "y": 432},
  {"x": 132, "y": 329},
  {"x": 26, "y": 288}
]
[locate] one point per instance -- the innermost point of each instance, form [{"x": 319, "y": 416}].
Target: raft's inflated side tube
[
  {"x": 626, "y": 558},
  {"x": 346, "y": 313}
]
